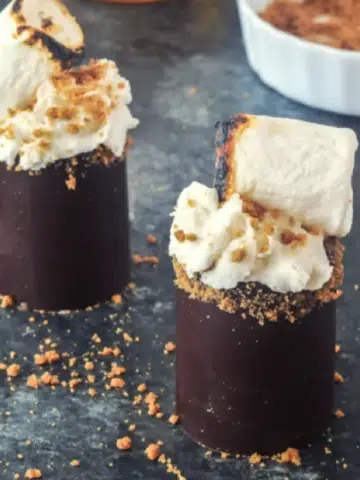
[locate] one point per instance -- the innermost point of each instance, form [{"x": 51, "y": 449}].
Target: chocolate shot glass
[{"x": 64, "y": 236}]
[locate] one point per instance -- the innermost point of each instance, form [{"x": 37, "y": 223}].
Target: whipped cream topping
[
  {"x": 237, "y": 242},
  {"x": 303, "y": 169},
  {"x": 72, "y": 112},
  {"x": 36, "y": 38}
]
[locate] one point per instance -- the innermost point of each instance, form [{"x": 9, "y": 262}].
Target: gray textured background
[{"x": 165, "y": 50}]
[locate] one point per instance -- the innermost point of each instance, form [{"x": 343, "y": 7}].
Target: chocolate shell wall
[
  {"x": 61, "y": 248},
  {"x": 245, "y": 388}
]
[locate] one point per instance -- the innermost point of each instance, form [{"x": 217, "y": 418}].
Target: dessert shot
[
  {"x": 296, "y": 47},
  {"x": 258, "y": 263},
  {"x": 63, "y": 143}
]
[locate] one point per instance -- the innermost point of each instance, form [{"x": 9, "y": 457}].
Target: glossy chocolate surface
[
  {"x": 245, "y": 388},
  {"x": 61, "y": 248}
]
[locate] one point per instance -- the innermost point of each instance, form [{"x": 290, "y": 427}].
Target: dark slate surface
[{"x": 165, "y": 50}]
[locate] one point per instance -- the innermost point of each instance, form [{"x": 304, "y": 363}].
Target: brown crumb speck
[
  {"x": 142, "y": 387},
  {"x": 13, "y": 370},
  {"x": 33, "y": 382},
  {"x": 3, "y": 366},
  {"x": 132, "y": 427},
  {"x": 7, "y": 301},
  {"x": 255, "y": 458},
  {"x": 92, "y": 392},
  {"x": 117, "y": 299},
  {"x": 117, "y": 383},
  {"x": 145, "y": 259},
  {"x": 337, "y": 348},
  {"x": 238, "y": 255},
  {"x": 169, "y": 347},
  {"x": 174, "y": 419},
  {"x": 291, "y": 455},
  {"x": 151, "y": 239},
  {"x": 339, "y": 413},
  {"x": 89, "y": 366},
  {"x": 338, "y": 378},
  {"x": 124, "y": 443},
  {"x": 32, "y": 473},
  {"x": 128, "y": 338},
  {"x": 152, "y": 451},
  {"x": 75, "y": 463},
  {"x": 95, "y": 338}
]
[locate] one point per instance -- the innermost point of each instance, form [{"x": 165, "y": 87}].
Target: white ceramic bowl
[{"x": 310, "y": 73}]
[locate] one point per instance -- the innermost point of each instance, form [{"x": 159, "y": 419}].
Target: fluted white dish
[{"x": 316, "y": 75}]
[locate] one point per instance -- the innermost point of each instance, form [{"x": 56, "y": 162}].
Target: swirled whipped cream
[
  {"x": 73, "y": 112},
  {"x": 238, "y": 241},
  {"x": 37, "y": 37}
]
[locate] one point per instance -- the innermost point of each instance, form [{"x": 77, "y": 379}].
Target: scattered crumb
[
  {"x": 152, "y": 451},
  {"x": 117, "y": 299},
  {"x": 337, "y": 348},
  {"x": 145, "y": 259},
  {"x": 32, "y": 473},
  {"x": 291, "y": 455},
  {"x": 16, "y": 476},
  {"x": 153, "y": 409},
  {"x": 338, "y": 378},
  {"x": 151, "y": 239},
  {"x": 132, "y": 427},
  {"x": 356, "y": 286},
  {"x": 124, "y": 443},
  {"x": 89, "y": 366},
  {"x": 48, "y": 357},
  {"x": 75, "y": 463},
  {"x": 339, "y": 413},
  {"x": 32, "y": 382},
  {"x": 3, "y": 366},
  {"x": 71, "y": 182},
  {"x": 72, "y": 361},
  {"x": 345, "y": 466},
  {"x": 169, "y": 347},
  {"x": 255, "y": 458},
  {"x": 91, "y": 379},
  {"x": 174, "y": 419},
  {"x": 13, "y": 370},
  {"x": 327, "y": 450},
  {"x": 20, "y": 456},
  {"x": 12, "y": 355},
  {"x": 193, "y": 90},
  {"x": 92, "y": 392},
  {"x": 7, "y": 301},
  {"x": 142, "y": 387},
  {"x": 151, "y": 397},
  {"x": 208, "y": 453},
  {"x": 225, "y": 455},
  {"x": 95, "y": 338},
  {"x": 28, "y": 443},
  {"x": 128, "y": 338},
  {"x": 117, "y": 383}
]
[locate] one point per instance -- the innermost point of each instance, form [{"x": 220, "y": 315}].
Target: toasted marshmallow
[{"x": 302, "y": 168}]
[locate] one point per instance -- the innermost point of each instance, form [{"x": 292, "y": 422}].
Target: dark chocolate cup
[
  {"x": 60, "y": 248},
  {"x": 245, "y": 388}
]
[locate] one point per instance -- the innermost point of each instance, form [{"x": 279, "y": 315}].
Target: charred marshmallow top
[
  {"x": 49, "y": 112},
  {"x": 278, "y": 241}
]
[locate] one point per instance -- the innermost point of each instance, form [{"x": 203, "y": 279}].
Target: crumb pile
[{"x": 329, "y": 22}]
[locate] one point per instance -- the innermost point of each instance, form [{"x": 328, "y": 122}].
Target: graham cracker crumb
[
  {"x": 13, "y": 370},
  {"x": 169, "y": 347},
  {"x": 89, "y": 366},
  {"x": 48, "y": 357},
  {"x": 145, "y": 259},
  {"x": 124, "y": 443},
  {"x": 255, "y": 458},
  {"x": 174, "y": 419},
  {"x": 33, "y": 382},
  {"x": 142, "y": 387},
  {"x": 128, "y": 338},
  {"x": 151, "y": 239},
  {"x": 338, "y": 378},
  {"x": 95, "y": 338},
  {"x": 16, "y": 476},
  {"x": 153, "y": 409},
  {"x": 152, "y": 451},
  {"x": 117, "y": 383},
  {"x": 339, "y": 413},
  {"x": 117, "y": 299},
  {"x": 132, "y": 428},
  {"x": 75, "y": 463},
  {"x": 71, "y": 182},
  {"x": 327, "y": 451},
  {"x": 151, "y": 397},
  {"x": 7, "y": 301},
  {"x": 72, "y": 362},
  {"x": 92, "y": 392},
  {"x": 91, "y": 379},
  {"x": 337, "y": 348},
  {"x": 224, "y": 455},
  {"x": 291, "y": 455},
  {"x": 32, "y": 473},
  {"x": 332, "y": 22},
  {"x": 3, "y": 366}
]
